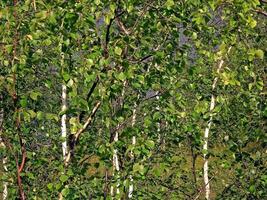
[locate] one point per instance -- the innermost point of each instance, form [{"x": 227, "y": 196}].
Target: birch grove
[{"x": 133, "y": 99}]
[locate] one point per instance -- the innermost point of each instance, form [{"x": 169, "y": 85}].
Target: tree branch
[
  {"x": 79, "y": 132},
  {"x": 122, "y": 27},
  {"x": 262, "y": 12},
  {"x": 107, "y": 37},
  {"x": 92, "y": 89},
  {"x": 88, "y": 121}
]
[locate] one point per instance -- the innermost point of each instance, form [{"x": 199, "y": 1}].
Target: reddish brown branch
[
  {"x": 15, "y": 98},
  {"x": 24, "y": 156}
]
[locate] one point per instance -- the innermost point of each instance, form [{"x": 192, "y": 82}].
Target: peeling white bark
[
  {"x": 2, "y": 145},
  {"x": 131, "y": 186},
  {"x": 64, "y": 122},
  {"x": 116, "y": 165},
  {"x": 158, "y": 127},
  {"x": 115, "y": 159},
  {"x": 207, "y": 130},
  {"x": 64, "y": 128},
  {"x": 5, "y": 184}
]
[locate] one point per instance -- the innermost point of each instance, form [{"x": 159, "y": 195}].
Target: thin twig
[{"x": 262, "y": 12}]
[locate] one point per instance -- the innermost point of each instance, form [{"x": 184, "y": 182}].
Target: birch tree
[
  {"x": 89, "y": 103},
  {"x": 207, "y": 129},
  {"x": 3, "y": 146}
]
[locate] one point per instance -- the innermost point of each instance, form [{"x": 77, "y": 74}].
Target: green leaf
[
  {"x": 121, "y": 76},
  {"x": 201, "y": 107},
  {"x": 32, "y": 113},
  {"x": 139, "y": 168},
  {"x": 58, "y": 186},
  {"x": 169, "y": 4},
  {"x": 252, "y": 188},
  {"x": 34, "y": 95},
  {"x": 118, "y": 51},
  {"x": 65, "y": 192},
  {"x": 259, "y": 53},
  {"x": 107, "y": 19},
  {"x": 51, "y": 116},
  {"x": 40, "y": 115},
  {"x": 41, "y": 15},
  {"x": 50, "y": 186},
  {"x": 156, "y": 116},
  {"x": 70, "y": 172},
  {"x": 150, "y": 144},
  {"x": 252, "y": 23},
  {"x": 23, "y": 102},
  {"x": 97, "y": 2},
  {"x": 194, "y": 35},
  {"x": 26, "y": 116},
  {"x": 30, "y": 175},
  {"x": 66, "y": 76},
  {"x": 63, "y": 178}
]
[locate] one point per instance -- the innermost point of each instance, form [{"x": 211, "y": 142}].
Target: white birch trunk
[
  {"x": 2, "y": 145},
  {"x": 64, "y": 128},
  {"x": 158, "y": 127},
  {"x": 63, "y": 109},
  {"x": 5, "y": 184},
  {"x": 64, "y": 122},
  {"x": 131, "y": 186},
  {"x": 207, "y": 130},
  {"x": 116, "y": 166},
  {"x": 64, "y": 104},
  {"x": 115, "y": 159}
]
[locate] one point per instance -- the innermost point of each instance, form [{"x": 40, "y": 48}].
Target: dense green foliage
[{"x": 157, "y": 58}]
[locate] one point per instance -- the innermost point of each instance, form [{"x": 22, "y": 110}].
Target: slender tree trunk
[
  {"x": 158, "y": 128},
  {"x": 115, "y": 159},
  {"x": 2, "y": 145},
  {"x": 5, "y": 184},
  {"x": 64, "y": 107},
  {"x": 64, "y": 128},
  {"x": 64, "y": 122},
  {"x": 207, "y": 130},
  {"x": 116, "y": 167},
  {"x": 131, "y": 186}
]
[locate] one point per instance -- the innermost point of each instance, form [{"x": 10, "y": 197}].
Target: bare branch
[
  {"x": 262, "y": 12},
  {"x": 141, "y": 59},
  {"x": 79, "y": 132},
  {"x": 88, "y": 121},
  {"x": 122, "y": 27}
]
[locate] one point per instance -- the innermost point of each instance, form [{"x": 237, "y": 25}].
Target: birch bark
[
  {"x": 64, "y": 107},
  {"x": 64, "y": 122},
  {"x": 115, "y": 159},
  {"x": 131, "y": 186},
  {"x": 207, "y": 130},
  {"x": 2, "y": 145}
]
